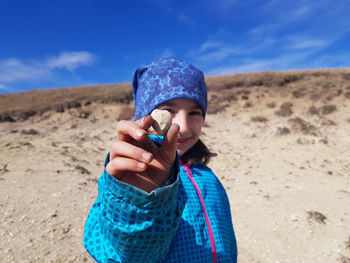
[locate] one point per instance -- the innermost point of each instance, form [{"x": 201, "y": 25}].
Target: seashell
[{"x": 161, "y": 121}]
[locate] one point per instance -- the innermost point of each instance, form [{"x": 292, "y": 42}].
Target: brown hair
[{"x": 199, "y": 153}]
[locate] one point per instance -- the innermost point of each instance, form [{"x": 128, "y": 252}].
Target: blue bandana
[{"x": 167, "y": 79}]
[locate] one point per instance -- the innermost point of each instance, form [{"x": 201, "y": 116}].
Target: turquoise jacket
[{"x": 170, "y": 224}]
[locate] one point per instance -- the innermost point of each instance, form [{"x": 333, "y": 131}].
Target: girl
[{"x": 158, "y": 201}]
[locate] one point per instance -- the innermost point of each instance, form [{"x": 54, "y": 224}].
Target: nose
[{"x": 182, "y": 120}]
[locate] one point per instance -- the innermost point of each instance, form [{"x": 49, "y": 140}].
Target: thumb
[{"x": 168, "y": 148}]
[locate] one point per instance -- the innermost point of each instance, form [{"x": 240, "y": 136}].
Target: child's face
[{"x": 188, "y": 115}]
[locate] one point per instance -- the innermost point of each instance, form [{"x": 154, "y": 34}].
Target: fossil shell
[{"x": 161, "y": 121}]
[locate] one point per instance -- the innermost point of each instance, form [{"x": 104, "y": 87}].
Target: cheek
[{"x": 197, "y": 127}]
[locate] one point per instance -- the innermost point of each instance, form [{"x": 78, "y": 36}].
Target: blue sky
[{"x": 63, "y": 43}]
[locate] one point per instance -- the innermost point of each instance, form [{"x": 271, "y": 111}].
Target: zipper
[{"x": 210, "y": 230}]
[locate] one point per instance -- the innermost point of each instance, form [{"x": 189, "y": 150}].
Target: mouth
[{"x": 182, "y": 141}]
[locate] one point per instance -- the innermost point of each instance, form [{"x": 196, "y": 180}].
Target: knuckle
[
  {"x": 121, "y": 124},
  {"x": 115, "y": 147},
  {"x": 116, "y": 144},
  {"x": 114, "y": 165},
  {"x": 109, "y": 168}
]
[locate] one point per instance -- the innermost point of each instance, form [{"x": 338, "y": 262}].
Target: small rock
[
  {"x": 30, "y": 132},
  {"x": 316, "y": 216},
  {"x": 161, "y": 121},
  {"x": 293, "y": 217},
  {"x": 84, "y": 114},
  {"x": 82, "y": 169},
  {"x": 54, "y": 213},
  {"x": 66, "y": 229}
]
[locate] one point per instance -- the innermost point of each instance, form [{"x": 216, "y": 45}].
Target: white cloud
[
  {"x": 341, "y": 60},
  {"x": 3, "y": 88},
  {"x": 218, "y": 47},
  {"x": 218, "y": 53},
  {"x": 71, "y": 60},
  {"x": 325, "y": 19},
  {"x": 250, "y": 67},
  {"x": 283, "y": 62},
  {"x": 304, "y": 43},
  {"x": 209, "y": 45},
  {"x": 263, "y": 30},
  {"x": 302, "y": 11},
  {"x": 14, "y": 69},
  {"x": 6, "y": 89},
  {"x": 289, "y": 61}
]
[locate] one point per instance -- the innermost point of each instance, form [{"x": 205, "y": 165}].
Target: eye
[
  {"x": 168, "y": 109},
  {"x": 196, "y": 113}
]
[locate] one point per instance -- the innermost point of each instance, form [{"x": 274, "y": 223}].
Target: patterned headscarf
[{"x": 167, "y": 79}]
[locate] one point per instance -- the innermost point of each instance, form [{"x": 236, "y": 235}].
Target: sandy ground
[{"x": 288, "y": 180}]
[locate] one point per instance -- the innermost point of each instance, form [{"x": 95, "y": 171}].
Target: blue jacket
[{"x": 126, "y": 224}]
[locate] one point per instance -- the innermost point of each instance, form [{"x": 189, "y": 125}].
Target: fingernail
[
  {"x": 139, "y": 133},
  {"x": 141, "y": 165},
  {"x": 146, "y": 157}
]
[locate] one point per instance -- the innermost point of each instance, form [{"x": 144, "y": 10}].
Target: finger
[
  {"x": 168, "y": 148},
  {"x": 118, "y": 166},
  {"x": 125, "y": 149},
  {"x": 146, "y": 142},
  {"x": 127, "y": 130},
  {"x": 145, "y": 123}
]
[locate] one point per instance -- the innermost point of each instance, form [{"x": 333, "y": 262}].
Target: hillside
[
  {"x": 282, "y": 143},
  {"x": 318, "y": 84}
]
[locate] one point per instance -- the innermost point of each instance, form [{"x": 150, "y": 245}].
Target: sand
[{"x": 287, "y": 177}]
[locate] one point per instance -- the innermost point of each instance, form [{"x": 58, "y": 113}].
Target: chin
[
  {"x": 182, "y": 151},
  {"x": 179, "y": 152}
]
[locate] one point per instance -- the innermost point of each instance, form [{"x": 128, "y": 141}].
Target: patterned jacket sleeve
[{"x": 127, "y": 224}]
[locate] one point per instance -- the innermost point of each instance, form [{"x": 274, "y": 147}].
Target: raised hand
[{"x": 136, "y": 160}]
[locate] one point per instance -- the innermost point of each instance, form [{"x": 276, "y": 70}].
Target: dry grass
[
  {"x": 259, "y": 119},
  {"x": 313, "y": 110},
  {"x": 282, "y": 131},
  {"x": 285, "y": 110},
  {"x": 26, "y": 104},
  {"x": 271, "y": 105},
  {"x": 303, "y": 126},
  {"x": 328, "y": 109},
  {"x": 126, "y": 113},
  {"x": 324, "y": 85}
]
